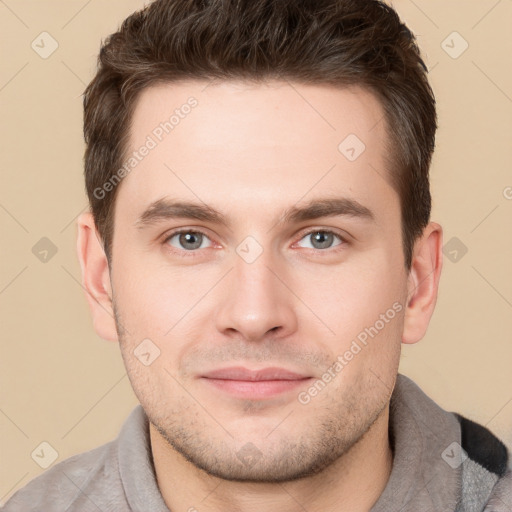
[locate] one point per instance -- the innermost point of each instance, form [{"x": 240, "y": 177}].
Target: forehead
[
  {"x": 264, "y": 142},
  {"x": 252, "y": 114}
]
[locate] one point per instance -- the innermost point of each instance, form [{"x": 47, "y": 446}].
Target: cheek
[
  {"x": 354, "y": 293},
  {"x": 148, "y": 289},
  {"x": 363, "y": 305}
]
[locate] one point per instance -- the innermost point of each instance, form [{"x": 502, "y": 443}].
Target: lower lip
[{"x": 259, "y": 389}]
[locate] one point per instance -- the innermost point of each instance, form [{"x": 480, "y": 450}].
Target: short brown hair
[{"x": 332, "y": 42}]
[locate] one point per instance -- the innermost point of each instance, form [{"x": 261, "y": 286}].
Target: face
[{"x": 257, "y": 273}]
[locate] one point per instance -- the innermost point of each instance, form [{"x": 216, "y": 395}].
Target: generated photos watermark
[
  {"x": 152, "y": 140},
  {"x": 357, "y": 345}
]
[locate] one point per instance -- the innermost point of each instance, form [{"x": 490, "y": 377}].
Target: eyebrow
[{"x": 166, "y": 209}]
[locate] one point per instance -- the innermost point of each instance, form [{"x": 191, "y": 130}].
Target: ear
[
  {"x": 423, "y": 282},
  {"x": 96, "y": 277}
]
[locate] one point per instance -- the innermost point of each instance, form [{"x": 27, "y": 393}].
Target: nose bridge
[
  {"x": 253, "y": 282},
  {"x": 254, "y": 275}
]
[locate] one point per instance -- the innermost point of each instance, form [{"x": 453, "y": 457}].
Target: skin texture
[{"x": 252, "y": 151}]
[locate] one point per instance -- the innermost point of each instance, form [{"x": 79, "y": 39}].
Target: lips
[
  {"x": 260, "y": 384},
  {"x": 240, "y": 373}
]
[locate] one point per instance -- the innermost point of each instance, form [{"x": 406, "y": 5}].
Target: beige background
[{"x": 62, "y": 384}]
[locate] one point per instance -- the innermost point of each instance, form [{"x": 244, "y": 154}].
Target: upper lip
[{"x": 240, "y": 373}]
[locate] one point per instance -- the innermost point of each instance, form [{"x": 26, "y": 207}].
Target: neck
[{"x": 352, "y": 483}]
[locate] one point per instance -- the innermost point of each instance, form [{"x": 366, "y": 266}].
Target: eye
[
  {"x": 187, "y": 239},
  {"x": 323, "y": 239}
]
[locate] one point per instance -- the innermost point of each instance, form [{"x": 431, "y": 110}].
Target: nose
[{"x": 256, "y": 302}]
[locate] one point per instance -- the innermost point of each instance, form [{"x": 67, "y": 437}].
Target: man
[{"x": 260, "y": 245}]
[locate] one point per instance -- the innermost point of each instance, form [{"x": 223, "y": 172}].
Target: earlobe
[
  {"x": 96, "y": 277},
  {"x": 423, "y": 283}
]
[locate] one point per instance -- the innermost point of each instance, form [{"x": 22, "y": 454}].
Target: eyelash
[{"x": 192, "y": 253}]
